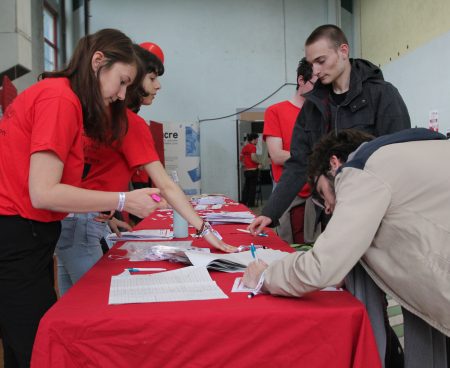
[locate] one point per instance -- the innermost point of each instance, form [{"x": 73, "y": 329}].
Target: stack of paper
[
  {"x": 190, "y": 283},
  {"x": 233, "y": 262},
  {"x": 160, "y": 234},
  {"x": 211, "y": 200},
  {"x": 160, "y": 250},
  {"x": 230, "y": 217}
]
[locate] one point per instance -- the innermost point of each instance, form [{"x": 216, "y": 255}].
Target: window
[{"x": 50, "y": 39}]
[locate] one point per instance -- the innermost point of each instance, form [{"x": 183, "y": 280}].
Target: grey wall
[
  {"x": 219, "y": 55},
  {"x": 423, "y": 79},
  {"x": 21, "y": 39}
]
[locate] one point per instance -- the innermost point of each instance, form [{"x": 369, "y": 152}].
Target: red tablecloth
[{"x": 322, "y": 329}]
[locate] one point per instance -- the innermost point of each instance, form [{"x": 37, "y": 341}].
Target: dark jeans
[
  {"x": 249, "y": 191},
  {"x": 26, "y": 283}
]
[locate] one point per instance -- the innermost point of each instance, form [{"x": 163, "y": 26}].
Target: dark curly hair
[
  {"x": 340, "y": 145},
  {"x": 304, "y": 69},
  {"x": 148, "y": 63},
  {"x": 251, "y": 136}
]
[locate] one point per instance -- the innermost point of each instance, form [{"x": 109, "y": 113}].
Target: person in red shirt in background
[
  {"x": 41, "y": 163},
  {"x": 279, "y": 121},
  {"x": 251, "y": 165},
  {"x": 111, "y": 166}
]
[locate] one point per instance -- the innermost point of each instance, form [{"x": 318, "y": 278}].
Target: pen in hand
[
  {"x": 253, "y": 293},
  {"x": 253, "y": 250}
]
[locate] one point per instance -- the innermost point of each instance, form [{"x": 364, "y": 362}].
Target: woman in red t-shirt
[
  {"x": 110, "y": 167},
  {"x": 251, "y": 166},
  {"x": 41, "y": 163},
  {"x": 154, "y": 168}
]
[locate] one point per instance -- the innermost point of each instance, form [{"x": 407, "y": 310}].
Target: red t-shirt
[
  {"x": 140, "y": 176},
  {"x": 246, "y": 153},
  {"x": 45, "y": 117},
  {"x": 111, "y": 168},
  {"x": 279, "y": 121}
]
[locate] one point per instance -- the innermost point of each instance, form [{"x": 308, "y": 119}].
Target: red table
[{"x": 322, "y": 329}]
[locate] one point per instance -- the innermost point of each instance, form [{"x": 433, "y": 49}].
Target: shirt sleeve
[
  {"x": 362, "y": 202},
  {"x": 392, "y": 115},
  {"x": 57, "y": 122},
  {"x": 138, "y": 145},
  {"x": 271, "y": 124},
  {"x": 293, "y": 177}
]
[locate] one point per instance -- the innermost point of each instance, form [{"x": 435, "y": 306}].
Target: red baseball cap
[{"x": 154, "y": 49}]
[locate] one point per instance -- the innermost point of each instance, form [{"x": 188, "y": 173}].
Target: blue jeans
[{"x": 78, "y": 247}]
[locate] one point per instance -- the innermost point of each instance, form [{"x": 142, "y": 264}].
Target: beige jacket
[{"x": 394, "y": 215}]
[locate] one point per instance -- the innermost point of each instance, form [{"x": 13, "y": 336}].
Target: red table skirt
[{"x": 322, "y": 329}]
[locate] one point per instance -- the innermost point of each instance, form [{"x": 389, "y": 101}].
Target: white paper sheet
[
  {"x": 233, "y": 262},
  {"x": 239, "y": 287},
  {"x": 224, "y": 217},
  {"x": 158, "y": 234},
  {"x": 190, "y": 283}
]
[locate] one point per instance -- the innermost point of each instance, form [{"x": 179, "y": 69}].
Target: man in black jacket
[{"x": 349, "y": 93}]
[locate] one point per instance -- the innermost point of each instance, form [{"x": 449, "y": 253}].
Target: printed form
[{"x": 189, "y": 283}]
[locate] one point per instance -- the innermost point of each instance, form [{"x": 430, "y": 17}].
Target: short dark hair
[
  {"x": 304, "y": 69},
  {"x": 148, "y": 63},
  {"x": 340, "y": 145},
  {"x": 116, "y": 47},
  {"x": 252, "y": 136},
  {"x": 329, "y": 31}
]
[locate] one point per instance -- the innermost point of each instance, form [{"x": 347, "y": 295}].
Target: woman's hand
[
  {"x": 219, "y": 244},
  {"x": 115, "y": 224},
  {"x": 140, "y": 203},
  {"x": 104, "y": 217}
]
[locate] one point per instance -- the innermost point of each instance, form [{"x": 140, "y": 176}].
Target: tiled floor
[{"x": 396, "y": 319}]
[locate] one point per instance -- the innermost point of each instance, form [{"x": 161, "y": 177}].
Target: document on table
[
  {"x": 159, "y": 234},
  {"x": 239, "y": 287},
  {"x": 232, "y": 262},
  {"x": 225, "y": 217},
  {"x": 189, "y": 283},
  {"x": 138, "y": 245},
  {"x": 211, "y": 200}
]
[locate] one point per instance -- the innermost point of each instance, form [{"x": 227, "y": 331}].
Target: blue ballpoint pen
[
  {"x": 251, "y": 294},
  {"x": 143, "y": 269},
  {"x": 253, "y": 250}
]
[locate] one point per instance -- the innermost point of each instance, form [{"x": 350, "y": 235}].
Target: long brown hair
[{"x": 99, "y": 123}]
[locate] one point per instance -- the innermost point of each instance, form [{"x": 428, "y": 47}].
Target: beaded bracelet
[
  {"x": 121, "y": 203},
  {"x": 205, "y": 229}
]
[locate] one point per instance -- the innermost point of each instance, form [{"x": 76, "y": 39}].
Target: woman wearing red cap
[
  {"x": 110, "y": 167},
  {"x": 140, "y": 177},
  {"x": 169, "y": 190},
  {"x": 41, "y": 162}
]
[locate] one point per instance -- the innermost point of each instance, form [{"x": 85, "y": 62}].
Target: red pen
[{"x": 155, "y": 197}]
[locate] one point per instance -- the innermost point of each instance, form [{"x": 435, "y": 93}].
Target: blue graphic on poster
[
  {"x": 192, "y": 142},
  {"x": 194, "y": 174}
]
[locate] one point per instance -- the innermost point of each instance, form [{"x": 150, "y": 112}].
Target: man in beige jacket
[{"x": 391, "y": 212}]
